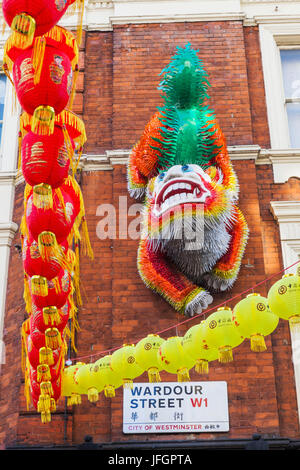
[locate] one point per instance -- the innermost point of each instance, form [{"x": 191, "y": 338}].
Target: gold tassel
[
  {"x": 183, "y": 375},
  {"x": 201, "y": 366},
  {"x": 51, "y": 315},
  {"x": 127, "y": 383},
  {"x": 27, "y": 295},
  {"x": 39, "y": 286},
  {"x": 93, "y": 395},
  {"x": 23, "y": 27},
  {"x": 43, "y": 120},
  {"x": 294, "y": 323},
  {"x": 69, "y": 147},
  {"x": 46, "y": 356},
  {"x": 257, "y": 343},
  {"x": 153, "y": 375},
  {"x": 76, "y": 278},
  {"x": 225, "y": 354},
  {"x": 43, "y": 373},
  {"x": 42, "y": 196},
  {"x": 53, "y": 338},
  {"x": 85, "y": 240},
  {"x": 57, "y": 285},
  {"x": 74, "y": 399},
  {"x": 37, "y": 58},
  {"x": 52, "y": 405},
  {"x": 46, "y": 388},
  {"x": 109, "y": 391},
  {"x": 46, "y": 417},
  {"x": 43, "y": 404},
  {"x": 80, "y": 21},
  {"x": 49, "y": 249}
]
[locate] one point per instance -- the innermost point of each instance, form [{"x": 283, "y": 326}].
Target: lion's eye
[
  {"x": 161, "y": 176},
  {"x": 185, "y": 168}
]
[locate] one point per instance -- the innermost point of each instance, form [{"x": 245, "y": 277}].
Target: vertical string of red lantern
[{"x": 41, "y": 60}]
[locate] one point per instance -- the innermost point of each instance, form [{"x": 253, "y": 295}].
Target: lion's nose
[{"x": 175, "y": 171}]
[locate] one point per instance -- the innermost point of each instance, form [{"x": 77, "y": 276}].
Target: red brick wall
[{"x": 117, "y": 95}]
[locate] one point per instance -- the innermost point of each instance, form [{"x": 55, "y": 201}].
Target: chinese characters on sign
[{"x": 175, "y": 407}]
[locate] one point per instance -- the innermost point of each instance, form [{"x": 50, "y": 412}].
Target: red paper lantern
[
  {"x": 34, "y": 265},
  {"x": 38, "y": 16},
  {"x": 36, "y": 357},
  {"x": 36, "y": 387},
  {"x": 46, "y": 159},
  {"x": 44, "y": 373},
  {"x": 50, "y": 317},
  {"x": 55, "y": 292},
  {"x": 58, "y": 219}
]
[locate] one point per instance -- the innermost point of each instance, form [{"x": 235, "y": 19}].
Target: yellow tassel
[
  {"x": 294, "y": 323},
  {"x": 51, "y": 315},
  {"x": 93, "y": 395},
  {"x": 42, "y": 196},
  {"x": 153, "y": 375},
  {"x": 46, "y": 356},
  {"x": 37, "y": 58},
  {"x": 109, "y": 391},
  {"x": 201, "y": 366},
  {"x": 23, "y": 27},
  {"x": 74, "y": 399},
  {"x": 127, "y": 383},
  {"x": 49, "y": 249},
  {"x": 46, "y": 388},
  {"x": 45, "y": 417},
  {"x": 24, "y": 227},
  {"x": 85, "y": 240},
  {"x": 68, "y": 146},
  {"x": 39, "y": 286},
  {"x": 43, "y": 373},
  {"x": 257, "y": 343},
  {"x": 43, "y": 120},
  {"x": 57, "y": 285},
  {"x": 183, "y": 375},
  {"x": 76, "y": 278},
  {"x": 80, "y": 4},
  {"x": 27, "y": 295},
  {"x": 53, "y": 338},
  {"x": 61, "y": 201},
  {"x": 225, "y": 354},
  {"x": 27, "y": 392},
  {"x": 43, "y": 404}
]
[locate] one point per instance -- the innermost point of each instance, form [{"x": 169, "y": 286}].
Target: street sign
[{"x": 173, "y": 407}]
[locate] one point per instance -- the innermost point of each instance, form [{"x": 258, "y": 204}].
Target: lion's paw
[{"x": 198, "y": 304}]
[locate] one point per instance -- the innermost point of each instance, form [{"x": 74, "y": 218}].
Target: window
[{"x": 290, "y": 61}]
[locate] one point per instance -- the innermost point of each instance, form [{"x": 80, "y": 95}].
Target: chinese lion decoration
[{"x": 194, "y": 235}]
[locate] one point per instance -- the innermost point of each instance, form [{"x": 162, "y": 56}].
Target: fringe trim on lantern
[
  {"x": 53, "y": 338},
  {"x": 93, "y": 395},
  {"x": 46, "y": 356},
  {"x": 153, "y": 375},
  {"x": 183, "y": 375},
  {"x": 225, "y": 354},
  {"x": 74, "y": 399},
  {"x": 109, "y": 391},
  {"x": 63, "y": 36},
  {"x": 39, "y": 286},
  {"x": 294, "y": 323},
  {"x": 37, "y": 58},
  {"x": 257, "y": 343},
  {"x": 71, "y": 120},
  {"x": 51, "y": 316},
  {"x": 49, "y": 249},
  {"x": 46, "y": 388},
  {"x": 127, "y": 383},
  {"x": 42, "y": 196},
  {"x": 23, "y": 27},
  {"x": 43, "y": 120},
  {"x": 43, "y": 373},
  {"x": 201, "y": 366}
]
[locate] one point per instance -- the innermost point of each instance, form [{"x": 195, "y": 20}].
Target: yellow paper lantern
[
  {"x": 124, "y": 363},
  {"x": 146, "y": 355},
  {"x": 174, "y": 360},
  {"x": 195, "y": 347},
  {"x": 221, "y": 333},
  {"x": 104, "y": 377},
  {"x": 70, "y": 388},
  {"x": 84, "y": 379},
  {"x": 284, "y": 299},
  {"x": 255, "y": 320}
]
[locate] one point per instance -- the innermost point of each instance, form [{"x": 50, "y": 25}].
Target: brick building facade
[{"x": 116, "y": 95}]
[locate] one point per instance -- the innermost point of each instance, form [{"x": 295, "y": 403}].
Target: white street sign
[{"x": 172, "y": 407}]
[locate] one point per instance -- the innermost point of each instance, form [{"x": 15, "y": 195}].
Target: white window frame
[{"x": 273, "y": 37}]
